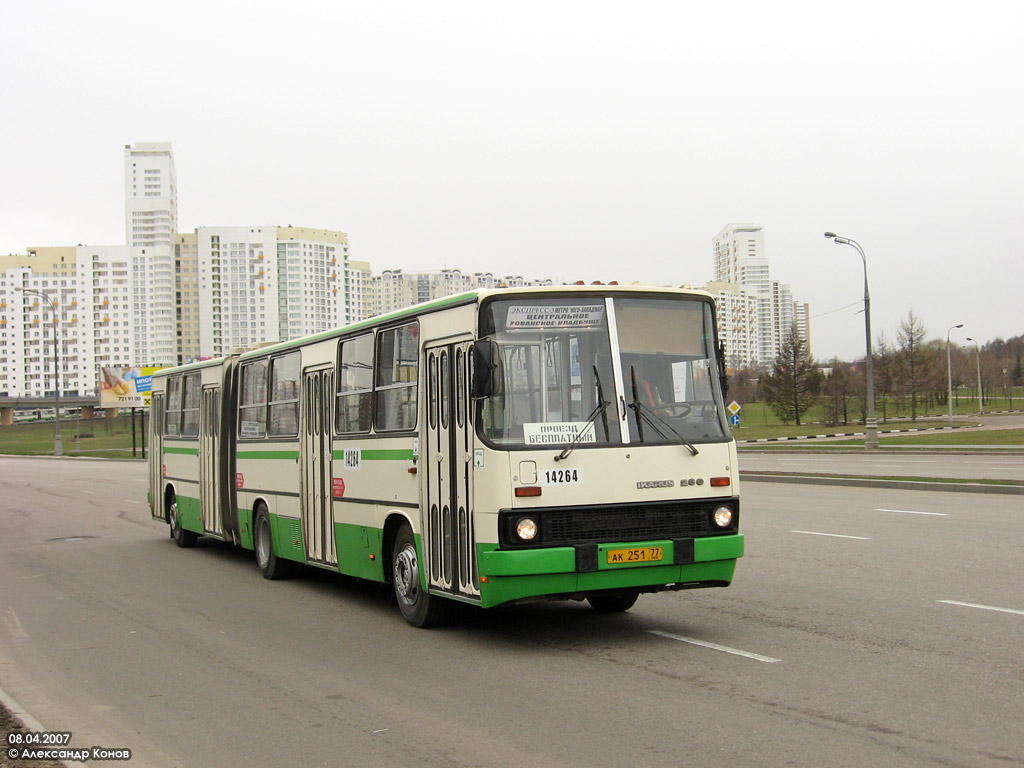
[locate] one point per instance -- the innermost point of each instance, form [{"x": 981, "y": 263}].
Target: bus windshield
[{"x": 567, "y": 367}]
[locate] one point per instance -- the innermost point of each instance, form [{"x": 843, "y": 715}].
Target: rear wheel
[
  {"x": 181, "y": 537},
  {"x": 616, "y": 603},
  {"x": 417, "y": 606},
  {"x": 270, "y": 565}
]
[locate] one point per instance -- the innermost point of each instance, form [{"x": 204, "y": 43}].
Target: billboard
[{"x": 126, "y": 387}]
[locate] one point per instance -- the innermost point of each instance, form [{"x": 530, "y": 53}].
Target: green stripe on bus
[
  {"x": 184, "y": 451},
  {"x": 397, "y": 454},
  {"x": 267, "y": 455}
]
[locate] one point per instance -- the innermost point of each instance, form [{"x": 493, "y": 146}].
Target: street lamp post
[
  {"x": 58, "y": 447},
  {"x": 870, "y": 423},
  {"x": 981, "y": 402},
  {"x": 949, "y": 371}
]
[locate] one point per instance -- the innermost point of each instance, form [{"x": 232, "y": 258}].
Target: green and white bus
[{"x": 490, "y": 447}]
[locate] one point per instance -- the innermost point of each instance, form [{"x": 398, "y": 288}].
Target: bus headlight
[
  {"x": 526, "y": 528},
  {"x": 722, "y": 516}
]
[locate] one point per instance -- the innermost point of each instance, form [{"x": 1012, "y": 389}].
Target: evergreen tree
[{"x": 794, "y": 383}]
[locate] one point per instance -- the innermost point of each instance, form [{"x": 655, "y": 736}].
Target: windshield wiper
[
  {"x": 660, "y": 426},
  {"x": 601, "y": 408}
]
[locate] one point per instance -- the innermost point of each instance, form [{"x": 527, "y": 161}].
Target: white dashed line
[
  {"x": 912, "y": 512},
  {"x": 984, "y": 607},
  {"x": 714, "y": 646},
  {"x": 835, "y": 535}
]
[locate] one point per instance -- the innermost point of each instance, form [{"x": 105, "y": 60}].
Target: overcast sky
[{"x": 573, "y": 140}]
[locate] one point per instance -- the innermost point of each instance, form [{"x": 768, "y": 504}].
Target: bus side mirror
[
  {"x": 723, "y": 371},
  {"x": 484, "y": 366}
]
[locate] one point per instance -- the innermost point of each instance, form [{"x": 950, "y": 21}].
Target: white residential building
[
  {"x": 91, "y": 286},
  {"x": 782, "y": 316},
  {"x": 259, "y": 284},
  {"x": 740, "y": 259},
  {"x": 394, "y": 289},
  {"x": 737, "y": 310},
  {"x": 802, "y": 318},
  {"x": 151, "y": 221}
]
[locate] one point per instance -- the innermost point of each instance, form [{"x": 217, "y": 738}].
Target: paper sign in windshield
[
  {"x": 529, "y": 317},
  {"x": 558, "y": 433}
]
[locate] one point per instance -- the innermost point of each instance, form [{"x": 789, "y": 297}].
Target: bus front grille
[{"x": 568, "y": 526}]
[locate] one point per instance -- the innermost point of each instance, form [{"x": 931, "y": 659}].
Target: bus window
[
  {"x": 284, "y": 400},
  {"x": 667, "y": 370},
  {"x": 190, "y": 405},
  {"x": 172, "y": 416},
  {"x": 555, "y": 359},
  {"x": 355, "y": 384},
  {"x": 397, "y": 365},
  {"x": 252, "y": 405}
]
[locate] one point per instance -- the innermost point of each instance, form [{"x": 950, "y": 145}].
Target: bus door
[
  {"x": 209, "y": 463},
  {"x": 156, "y": 456},
  {"x": 317, "y": 466},
  {"x": 450, "y": 541}
]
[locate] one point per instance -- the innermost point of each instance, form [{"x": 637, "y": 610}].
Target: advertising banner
[{"x": 126, "y": 387}]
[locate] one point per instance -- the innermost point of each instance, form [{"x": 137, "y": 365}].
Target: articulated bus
[{"x": 487, "y": 448}]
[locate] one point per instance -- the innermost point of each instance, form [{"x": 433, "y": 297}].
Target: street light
[
  {"x": 949, "y": 371},
  {"x": 871, "y": 425},
  {"x": 981, "y": 403},
  {"x": 58, "y": 447}
]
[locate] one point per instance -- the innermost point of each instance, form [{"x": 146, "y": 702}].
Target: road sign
[
  {"x": 735, "y": 419},
  {"x": 734, "y": 407}
]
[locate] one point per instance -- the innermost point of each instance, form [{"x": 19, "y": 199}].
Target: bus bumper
[{"x": 507, "y": 575}]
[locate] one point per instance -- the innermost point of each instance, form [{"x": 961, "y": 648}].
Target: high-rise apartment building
[
  {"x": 737, "y": 310},
  {"x": 802, "y": 320},
  {"x": 186, "y": 295},
  {"x": 394, "y": 289},
  {"x": 740, "y": 259},
  {"x": 92, "y": 290},
  {"x": 259, "y": 284},
  {"x": 151, "y": 221},
  {"x": 782, "y": 316}
]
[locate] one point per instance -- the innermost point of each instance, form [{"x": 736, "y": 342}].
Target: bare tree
[
  {"x": 886, "y": 376},
  {"x": 837, "y": 392},
  {"x": 910, "y": 338}
]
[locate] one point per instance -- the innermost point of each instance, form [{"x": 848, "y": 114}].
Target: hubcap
[
  {"x": 407, "y": 575},
  {"x": 173, "y": 514},
  {"x": 263, "y": 543}
]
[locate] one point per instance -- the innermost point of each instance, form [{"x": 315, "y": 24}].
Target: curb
[
  {"x": 30, "y": 723},
  {"x": 848, "y": 434},
  {"x": 866, "y": 482}
]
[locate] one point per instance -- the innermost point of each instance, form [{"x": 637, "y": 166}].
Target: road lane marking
[
  {"x": 913, "y": 512},
  {"x": 836, "y": 535},
  {"x": 131, "y": 501},
  {"x": 14, "y": 626},
  {"x": 714, "y": 646},
  {"x": 984, "y": 607}
]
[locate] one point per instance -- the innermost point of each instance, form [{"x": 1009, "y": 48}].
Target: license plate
[{"x": 635, "y": 555}]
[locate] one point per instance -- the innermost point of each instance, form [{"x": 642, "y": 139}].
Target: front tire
[
  {"x": 181, "y": 537},
  {"x": 270, "y": 565},
  {"x": 616, "y": 603},
  {"x": 419, "y": 608}
]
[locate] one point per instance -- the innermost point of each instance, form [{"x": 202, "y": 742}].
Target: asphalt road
[
  {"x": 865, "y": 627},
  {"x": 977, "y": 466}
]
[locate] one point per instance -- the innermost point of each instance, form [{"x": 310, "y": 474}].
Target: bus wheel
[
  {"x": 418, "y": 607},
  {"x": 270, "y": 565},
  {"x": 613, "y": 603},
  {"x": 181, "y": 537}
]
